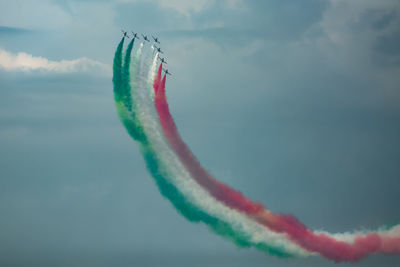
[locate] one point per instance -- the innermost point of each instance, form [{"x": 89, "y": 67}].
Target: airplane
[
  {"x": 158, "y": 49},
  {"x": 145, "y": 38},
  {"x": 134, "y": 35},
  {"x": 166, "y": 72},
  {"x": 124, "y": 33},
  {"x": 155, "y": 39},
  {"x": 162, "y": 59}
]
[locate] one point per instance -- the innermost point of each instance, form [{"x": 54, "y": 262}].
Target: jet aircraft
[
  {"x": 125, "y": 33},
  {"x": 134, "y": 35},
  {"x": 158, "y": 49},
  {"x": 155, "y": 39},
  {"x": 162, "y": 59},
  {"x": 145, "y": 38}
]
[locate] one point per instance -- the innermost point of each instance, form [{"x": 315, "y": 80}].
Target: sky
[{"x": 295, "y": 103}]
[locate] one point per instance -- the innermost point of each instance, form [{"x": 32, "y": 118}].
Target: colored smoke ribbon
[
  {"x": 200, "y": 197},
  {"x": 170, "y": 176}
]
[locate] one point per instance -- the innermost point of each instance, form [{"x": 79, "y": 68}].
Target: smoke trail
[
  {"x": 196, "y": 204},
  {"x": 360, "y": 246},
  {"x": 119, "y": 82},
  {"x": 117, "y": 71},
  {"x": 126, "y": 91},
  {"x": 179, "y": 177},
  {"x": 151, "y": 76},
  {"x": 175, "y": 184}
]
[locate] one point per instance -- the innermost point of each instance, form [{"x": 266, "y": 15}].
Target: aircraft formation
[{"x": 146, "y": 39}]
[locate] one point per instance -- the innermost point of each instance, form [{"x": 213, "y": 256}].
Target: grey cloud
[
  {"x": 14, "y": 30},
  {"x": 228, "y": 37},
  {"x": 385, "y": 24},
  {"x": 388, "y": 48},
  {"x": 288, "y": 19},
  {"x": 224, "y": 26},
  {"x": 381, "y": 18},
  {"x": 136, "y": 16}
]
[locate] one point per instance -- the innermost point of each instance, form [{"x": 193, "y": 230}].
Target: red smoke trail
[
  {"x": 156, "y": 83},
  {"x": 323, "y": 244},
  {"x": 223, "y": 193}
]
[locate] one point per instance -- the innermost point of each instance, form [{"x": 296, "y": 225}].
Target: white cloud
[
  {"x": 26, "y": 62},
  {"x": 186, "y": 7},
  {"x": 235, "y": 4},
  {"x": 30, "y": 14}
]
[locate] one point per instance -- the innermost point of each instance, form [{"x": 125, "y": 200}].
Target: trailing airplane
[
  {"x": 145, "y": 38},
  {"x": 125, "y": 33},
  {"x": 134, "y": 36},
  {"x": 158, "y": 49},
  {"x": 162, "y": 59},
  {"x": 166, "y": 72},
  {"x": 155, "y": 39}
]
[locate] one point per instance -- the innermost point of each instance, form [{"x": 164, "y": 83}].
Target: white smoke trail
[
  {"x": 151, "y": 75},
  {"x": 349, "y": 237}
]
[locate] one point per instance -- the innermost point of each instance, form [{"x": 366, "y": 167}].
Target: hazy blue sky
[{"x": 295, "y": 103}]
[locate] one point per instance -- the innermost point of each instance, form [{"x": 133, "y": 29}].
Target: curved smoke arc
[{"x": 143, "y": 109}]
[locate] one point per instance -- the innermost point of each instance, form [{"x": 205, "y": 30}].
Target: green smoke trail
[
  {"x": 117, "y": 73},
  {"x": 121, "y": 89},
  {"x": 125, "y": 77},
  {"x": 126, "y": 90}
]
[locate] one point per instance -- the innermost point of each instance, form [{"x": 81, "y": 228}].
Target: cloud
[
  {"x": 361, "y": 37},
  {"x": 13, "y": 30},
  {"x": 26, "y": 62},
  {"x": 186, "y": 7},
  {"x": 33, "y": 14},
  {"x": 191, "y": 7}
]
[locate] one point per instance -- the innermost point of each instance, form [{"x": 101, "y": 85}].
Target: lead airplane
[{"x": 125, "y": 33}]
